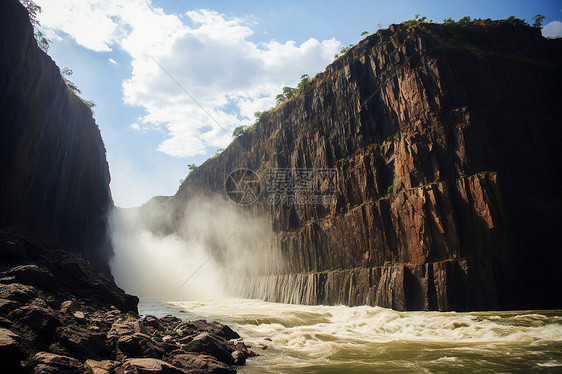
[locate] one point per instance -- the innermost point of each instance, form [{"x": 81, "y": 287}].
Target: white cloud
[
  {"x": 135, "y": 126},
  {"x": 210, "y": 55},
  {"x": 552, "y": 30},
  {"x": 90, "y": 23}
]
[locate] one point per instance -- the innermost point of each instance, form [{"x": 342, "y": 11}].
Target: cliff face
[
  {"x": 53, "y": 171},
  {"x": 447, "y": 147}
]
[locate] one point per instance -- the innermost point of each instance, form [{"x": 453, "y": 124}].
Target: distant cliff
[
  {"x": 447, "y": 144},
  {"x": 54, "y": 177}
]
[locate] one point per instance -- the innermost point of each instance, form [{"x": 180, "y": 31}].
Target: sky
[{"x": 172, "y": 79}]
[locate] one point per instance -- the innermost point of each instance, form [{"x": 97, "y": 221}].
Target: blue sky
[{"x": 232, "y": 57}]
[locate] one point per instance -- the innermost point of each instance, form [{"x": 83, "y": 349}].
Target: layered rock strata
[{"x": 449, "y": 173}]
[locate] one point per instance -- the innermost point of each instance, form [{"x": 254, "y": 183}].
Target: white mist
[{"x": 216, "y": 246}]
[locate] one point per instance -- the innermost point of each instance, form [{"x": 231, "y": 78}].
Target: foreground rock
[{"x": 59, "y": 316}]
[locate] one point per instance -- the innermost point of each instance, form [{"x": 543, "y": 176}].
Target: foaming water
[{"x": 335, "y": 339}]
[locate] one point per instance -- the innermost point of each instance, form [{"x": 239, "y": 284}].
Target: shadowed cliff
[
  {"x": 54, "y": 177},
  {"x": 446, "y": 142}
]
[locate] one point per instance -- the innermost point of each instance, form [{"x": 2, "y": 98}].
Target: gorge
[
  {"x": 445, "y": 143},
  {"x": 422, "y": 235}
]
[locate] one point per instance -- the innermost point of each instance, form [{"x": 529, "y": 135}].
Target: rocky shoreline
[{"x": 57, "y": 315}]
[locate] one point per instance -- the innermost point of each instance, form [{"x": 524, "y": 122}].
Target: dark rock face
[
  {"x": 84, "y": 323},
  {"x": 54, "y": 176},
  {"x": 446, "y": 146},
  {"x": 10, "y": 352},
  {"x": 50, "y": 269}
]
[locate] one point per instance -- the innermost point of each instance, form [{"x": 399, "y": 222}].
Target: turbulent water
[{"x": 340, "y": 339}]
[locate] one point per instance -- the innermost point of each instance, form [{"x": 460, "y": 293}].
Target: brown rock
[
  {"x": 121, "y": 328},
  {"x": 198, "y": 363},
  {"x": 213, "y": 328},
  {"x": 17, "y": 292},
  {"x": 210, "y": 345},
  {"x": 140, "y": 345},
  {"x": 34, "y": 275},
  {"x": 147, "y": 366},
  {"x": 38, "y": 320},
  {"x": 79, "y": 342},
  {"x": 100, "y": 367},
  {"x": 10, "y": 352},
  {"x": 6, "y": 305},
  {"x": 238, "y": 358},
  {"x": 50, "y": 363},
  {"x": 69, "y": 306}
]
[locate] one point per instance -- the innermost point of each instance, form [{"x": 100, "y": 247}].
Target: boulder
[
  {"x": 211, "y": 345},
  {"x": 6, "y": 305},
  {"x": 151, "y": 321},
  {"x": 17, "y": 292},
  {"x": 34, "y": 275},
  {"x": 100, "y": 367},
  {"x": 38, "y": 320},
  {"x": 240, "y": 346},
  {"x": 79, "y": 316},
  {"x": 238, "y": 358},
  {"x": 213, "y": 328},
  {"x": 121, "y": 328},
  {"x": 10, "y": 352},
  {"x": 147, "y": 366},
  {"x": 79, "y": 342},
  {"x": 140, "y": 345},
  {"x": 50, "y": 363},
  {"x": 69, "y": 306},
  {"x": 197, "y": 363}
]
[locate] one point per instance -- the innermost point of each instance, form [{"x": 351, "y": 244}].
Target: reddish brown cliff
[
  {"x": 54, "y": 176},
  {"x": 447, "y": 145}
]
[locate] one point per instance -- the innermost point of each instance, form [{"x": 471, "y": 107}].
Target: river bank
[{"x": 57, "y": 315}]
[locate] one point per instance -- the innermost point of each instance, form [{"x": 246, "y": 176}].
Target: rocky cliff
[
  {"x": 446, "y": 141},
  {"x": 54, "y": 176}
]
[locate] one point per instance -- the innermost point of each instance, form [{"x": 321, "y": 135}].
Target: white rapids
[{"x": 340, "y": 339}]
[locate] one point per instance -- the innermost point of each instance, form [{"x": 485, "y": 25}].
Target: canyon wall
[
  {"x": 54, "y": 177},
  {"x": 446, "y": 141}
]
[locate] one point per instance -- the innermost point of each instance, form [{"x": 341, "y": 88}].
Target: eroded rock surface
[
  {"x": 86, "y": 324},
  {"x": 447, "y": 148}
]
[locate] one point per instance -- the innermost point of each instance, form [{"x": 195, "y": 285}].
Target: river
[{"x": 341, "y": 339}]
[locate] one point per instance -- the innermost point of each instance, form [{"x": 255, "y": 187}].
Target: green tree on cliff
[
  {"x": 32, "y": 11},
  {"x": 192, "y": 167},
  {"x": 65, "y": 73},
  {"x": 538, "y": 20},
  {"x": 240, "y": 130},
  {"x": 289, "y": 92},
  {"x": 305, "y": 78}
]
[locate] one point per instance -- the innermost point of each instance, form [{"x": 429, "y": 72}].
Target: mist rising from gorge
[{"x": 213, "y": 249}]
